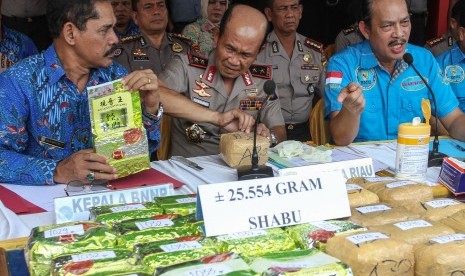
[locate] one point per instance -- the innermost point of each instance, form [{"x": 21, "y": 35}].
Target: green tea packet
[{"x": 117, "y": 128}]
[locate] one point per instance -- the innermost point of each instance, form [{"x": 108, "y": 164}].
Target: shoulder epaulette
[
  {"x": 128, "y": 38},
  {"x": 261, "y": 71},
  {"x": 197, "y": 60},
  {"x": 435, "y": 41},
  {"x": 348, "y": 30},
  {"x": 313, "y": 44},
  {"x": 184, "y": 38}
]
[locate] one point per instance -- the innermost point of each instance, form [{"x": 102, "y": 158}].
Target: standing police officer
[
  {"x": 297, "y": 65},
  {"x": 154, "y": 48}
]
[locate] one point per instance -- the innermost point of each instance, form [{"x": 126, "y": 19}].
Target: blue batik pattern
[
  {"x": 38, "y": 100},
  {"x": 14, "y": 46}
]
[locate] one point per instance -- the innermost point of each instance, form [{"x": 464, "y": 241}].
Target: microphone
[
  {"x": 435, "y": 157},
  {"x": 256, "y": 171}
]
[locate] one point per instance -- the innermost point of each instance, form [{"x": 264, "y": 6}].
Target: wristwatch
[
  {"x": 273, "y": 139},
  {"x": 153, "y": 116}
]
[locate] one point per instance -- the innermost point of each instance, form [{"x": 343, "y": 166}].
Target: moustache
[
  {"x": 397, "y": 41},
  {"x": 111, "y": 51}
]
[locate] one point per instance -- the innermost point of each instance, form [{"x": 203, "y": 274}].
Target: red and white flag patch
[{"x": 334, "y": 78}]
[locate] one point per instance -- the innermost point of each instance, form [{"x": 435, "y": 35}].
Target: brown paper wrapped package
[
  {"x": 456, "y": 221},
  {"x": 393, "y": 215},
  {"x": 236, "y": 149},
  {"x": 360, "y": 197},
  {"x": 434, "y": 259},
  {"x": 430, "y": 211},
  {"x": 376, "y": 257}
]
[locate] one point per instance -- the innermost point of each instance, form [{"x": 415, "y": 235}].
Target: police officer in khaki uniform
[
  {"x": 154, "y": 48},
  {"x": 445, "y": 42},
  {"x": 226, "y": 80},
  {"x": 348, "y": 36},
  {"x": 298, "y": 66}
]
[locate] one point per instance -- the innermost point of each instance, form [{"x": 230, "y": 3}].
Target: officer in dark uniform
[
  {"x": 348, "y": 36},
  {"x": 298, "y": 66},
  {"x": 154, "y": 47}
]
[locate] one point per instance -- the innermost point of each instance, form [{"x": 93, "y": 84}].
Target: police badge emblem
[
  {"x": 176, "y": 47},
  {"x": 307, "y": 58}
]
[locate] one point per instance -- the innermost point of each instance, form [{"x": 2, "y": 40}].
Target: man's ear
[
  {"x": 134, "y": 17},
  {"x": 268, "y": 13},
  {"x": 461, "y": 33},
  {"x": 69, "y": 33},
  {"x": 364, "y": 29}
]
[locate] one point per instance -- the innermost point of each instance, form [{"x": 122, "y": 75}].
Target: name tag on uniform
[
  {"x": 51, "y": 142},
  {"x": 201, "y": 102}
]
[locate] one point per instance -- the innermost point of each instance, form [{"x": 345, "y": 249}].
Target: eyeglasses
[{"x": 77, "y": 186}]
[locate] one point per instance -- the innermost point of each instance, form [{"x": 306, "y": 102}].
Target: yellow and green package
[
  {"x": 111, "y": 214},
  {"x": 316, "y": 234},
  {"x": 46, "y": 242},
  {"x": 250, "y": 244},
  {"x": 108, "y": 261},
  {"x": 299, "y": 262},
  {"x": 131, "y": 238},
  {"x": 178, "y": 204},
  {"x": 158, "y": 221},
  {"x": 228, "y": 264},
  {"x": 117, "y": 128},
  {"x": 179, "y": 250}
]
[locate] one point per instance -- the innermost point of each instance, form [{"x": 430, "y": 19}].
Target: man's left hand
[{"x": 147, "y": 83}]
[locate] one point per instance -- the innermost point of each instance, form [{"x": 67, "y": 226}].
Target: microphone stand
[{"x": 435, "y": 158}]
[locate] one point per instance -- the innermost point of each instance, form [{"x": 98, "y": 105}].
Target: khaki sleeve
[{"x": 175, "y": 75}]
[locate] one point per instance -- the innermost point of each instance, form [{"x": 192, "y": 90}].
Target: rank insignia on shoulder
[
  {"x": 313, "y": 44},
  {"x": 176, "y": 47},
  {"x": 261, "y": 71},
  {"x": 435, "y": 41},
  {"x": 348, "y": 30},
  {"x": 129, "y": 38},
  {"x": 197, "y": 60}
]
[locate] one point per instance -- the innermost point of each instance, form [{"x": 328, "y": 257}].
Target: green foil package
[
  {"x": 131, "y": 238},
  {"x": 117, "y": 128},
  {"x": 255, "y": 243},
  {"x": 229, "y": 264},
  {"x": 111, "y": 214},
  {"x": 109, "y": 261},
  {"x": 299, "y": 262},
  {"x": 154, "y": 222},
  {"x": 315, "y": 234},
  {"x": 178, "y": 204},
  {"x": 45, "y": 242},
  {"x": 170, "y": 252}
]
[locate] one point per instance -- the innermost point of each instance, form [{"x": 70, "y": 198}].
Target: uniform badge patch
[
  {"x": 201, "y": 102},
  {"x": 454, "y": 73},
  {"x": 251, "y": 92},
  {"x": 307, "y": 58},
  {"x": 366, "y": 78},
  {"x": 176, "y": 47},
  {"x": 274, "y": 47},
  {"x": 211, "y": 72},
  {"x": 201, "y": 87},
  {"x": 247, "y": 79},
  {"x": 139, "y": 55},
  {"x": 117, "y": 52},
  {"x": 299, "y": 46},
  {"x": 413, "y": 84}
]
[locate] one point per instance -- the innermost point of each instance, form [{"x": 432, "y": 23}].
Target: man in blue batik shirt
[
  {"x": 14, "y": 46},
  {"x": 452, "y": 62},
  {"x": 370, "y": 90},
  {"x": 44, "y": 98}
]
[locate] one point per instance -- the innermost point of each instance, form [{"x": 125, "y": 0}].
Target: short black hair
[
  {"x": 457, "y": 12},
  {"x": 77, "y": 12},
  {"x": 134, "y": 4},
  {"x": 367, "y": 11}
]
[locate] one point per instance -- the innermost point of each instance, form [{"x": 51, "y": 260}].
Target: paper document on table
[{"x": 383, "y": 154}]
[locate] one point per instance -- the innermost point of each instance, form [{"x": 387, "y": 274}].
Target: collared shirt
[
  {"x": 138, "y": 52},
  {"x": 452, "y": 63},
  {"x": 14, "y": 46},
  {"x": 298, "y": 77},
  {"x": 24, "y": 8},
  {"x": 199, "y": 80},
  {"x": 202, "y": 33},
  {"x": 132, "y": 29},
  {"x": 390, "y": 100},
  {"x": 38, "y": 100}
]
